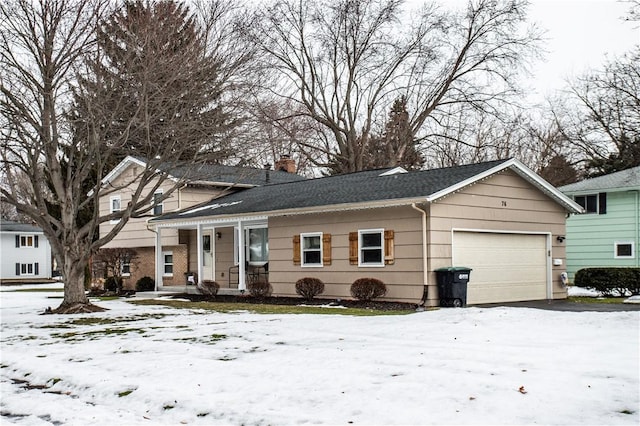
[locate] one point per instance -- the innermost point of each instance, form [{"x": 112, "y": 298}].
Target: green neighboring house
[{"x": 608, "y": 232}]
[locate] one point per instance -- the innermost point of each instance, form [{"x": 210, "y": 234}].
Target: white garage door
[{"x": 506, "y": 267}]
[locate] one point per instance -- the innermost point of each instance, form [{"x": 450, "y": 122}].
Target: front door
[{"x": 207, "y": 255}]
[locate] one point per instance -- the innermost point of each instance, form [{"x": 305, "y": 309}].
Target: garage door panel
[{"x": 506, "y": 267}]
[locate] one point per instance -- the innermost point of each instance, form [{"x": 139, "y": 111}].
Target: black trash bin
[{"x": 452, "y": 285}]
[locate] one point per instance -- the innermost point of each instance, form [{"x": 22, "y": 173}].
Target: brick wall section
[{"x": 145, "y": 265}]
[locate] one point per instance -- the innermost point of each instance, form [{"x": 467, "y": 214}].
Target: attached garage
[{"x": 507, "y": 267}]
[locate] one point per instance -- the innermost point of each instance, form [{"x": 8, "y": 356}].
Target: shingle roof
[
  {"x": 360, "y": 187},
  {"x": 212, "y": 173},
  {"x": 11, "y": 226},
  {"x": 217, "y": 173},
  {"x": 622, "y": 180}
]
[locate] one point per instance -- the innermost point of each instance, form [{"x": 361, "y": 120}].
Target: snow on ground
[{"x": 157, "y": 365}]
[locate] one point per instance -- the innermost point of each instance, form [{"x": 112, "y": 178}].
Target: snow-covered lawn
[{"x": 158, "y": 365}]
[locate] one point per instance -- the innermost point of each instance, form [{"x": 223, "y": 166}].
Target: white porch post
[
  {"x": 200, "y": 254},
  {"x": 241, "y": 258},
  {"x": 158, "y": 258}
]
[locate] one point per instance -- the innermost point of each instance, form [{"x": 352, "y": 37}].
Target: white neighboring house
[{"x": 25, "y": 253}]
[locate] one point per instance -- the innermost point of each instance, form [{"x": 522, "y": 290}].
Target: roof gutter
[{"x": 296, "y": 211}]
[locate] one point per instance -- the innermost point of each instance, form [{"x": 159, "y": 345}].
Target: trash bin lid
[{"x": 454, "y": 269}]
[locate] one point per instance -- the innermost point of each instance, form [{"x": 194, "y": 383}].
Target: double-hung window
[
  {"x": 27, "y": 241},
  {"x": 158, "y": 206},
  {"x": 370, "y": 243},
  {"x": 27, "y": 269},
  {"x": 125, "y": 268},
  {"x": 115, "y": 205},
  {"x": 311, "y": 247},
  {"x": 167, "y": 263}
]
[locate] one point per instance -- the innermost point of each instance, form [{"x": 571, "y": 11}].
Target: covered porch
[{"x": 233, "y": 253}]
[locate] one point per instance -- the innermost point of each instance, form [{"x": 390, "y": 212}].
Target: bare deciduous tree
[
  {"x": 72, "y": 106},
  {"x": 603, "y": 119},
  {"x": 343, "y": 63}
]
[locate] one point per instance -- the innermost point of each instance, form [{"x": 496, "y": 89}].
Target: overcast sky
[{"x": 581, "y": 34}]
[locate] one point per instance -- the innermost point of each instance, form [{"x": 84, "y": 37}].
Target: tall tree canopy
[
  {"x": 74, "y": 100},
  {"x": 603, "y": 120},
  {"x": 343, "y": 64}
]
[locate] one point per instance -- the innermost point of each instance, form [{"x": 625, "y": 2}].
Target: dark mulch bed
[{"x": 292, "y": 301}]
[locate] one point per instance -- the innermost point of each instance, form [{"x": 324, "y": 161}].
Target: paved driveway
[{"x": 566, "y": 305}]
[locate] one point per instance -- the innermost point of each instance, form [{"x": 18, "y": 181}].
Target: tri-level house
[
  {"x": 498, "y": 218},
  {"x": 177, "y": 260},
  {"x": 608, "y": 233}
]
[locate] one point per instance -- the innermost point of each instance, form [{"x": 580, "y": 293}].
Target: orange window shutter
[
  {"x": 326, "y": 249},
  {"x": 296, "y": 249},
  {"x": 353, "y": 248},
  {"x": 389, "y": 256}
]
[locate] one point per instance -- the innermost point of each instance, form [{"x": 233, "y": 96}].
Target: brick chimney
[{"x": 286, "y": 164}]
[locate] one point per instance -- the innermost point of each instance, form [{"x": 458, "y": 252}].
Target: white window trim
[
  {"x": 371, "y": 231},
  {"x": 302, "y": 237},
  {"x": 164, "y": 254},
  {"x": 111, "y": 210},
  {"x": 619, "y": 243},
  {"x": 122, "y": 273},
  {"x": 26, "y": 267},
  {"x": 161, "y": 204},
  {"x": 26, "y": 236}
]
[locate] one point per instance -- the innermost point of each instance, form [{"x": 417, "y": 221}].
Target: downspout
[
  {"x": 157, "y": 243},
  {"x": 425, "y": 264}
]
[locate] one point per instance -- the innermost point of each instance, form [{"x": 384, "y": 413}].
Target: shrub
[
  {"x": 145, "y": 284},
  {"x": 111, "y": 284},
  {"x": 209, "y": 288},
  {"x": 368, "y": 289},
  {"x": 610, "y": 281},
  {"x": 309, "y": 287},
  {"x": 260, "y": 289}
]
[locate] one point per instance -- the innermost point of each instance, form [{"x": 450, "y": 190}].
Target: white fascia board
[
  {"x": 545, "y": 186},
  {"x": 223, "y": 221},
  {"x": 230, "y": 184},
  {"x": 521, "y": 170},
  {"x": 117, "y": 170},
  {"x": 599, "y": 190}
]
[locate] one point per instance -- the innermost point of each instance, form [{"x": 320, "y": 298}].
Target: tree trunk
[{"x": 75, "y": 299}]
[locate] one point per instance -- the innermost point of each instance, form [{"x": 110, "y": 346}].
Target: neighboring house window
[
  {"x": 158, "y": 206},
  {"x": 371, "y": 247},
  {"x": 167, "y": 260},
  {"x": 115, "y": 205},
  {"x": 311, "y": 249},
  {"x": 27, "y": 268},
  {"x": 27, "y": 241},
  {"x": 258, "y": 247},
  {"x": 593, "y": 203},
  {"x": 624, "y": 250}
]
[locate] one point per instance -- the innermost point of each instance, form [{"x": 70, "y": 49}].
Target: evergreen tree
[
  {"x": 396, "y": 146},
  {"x": 155, "y": 83}
]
